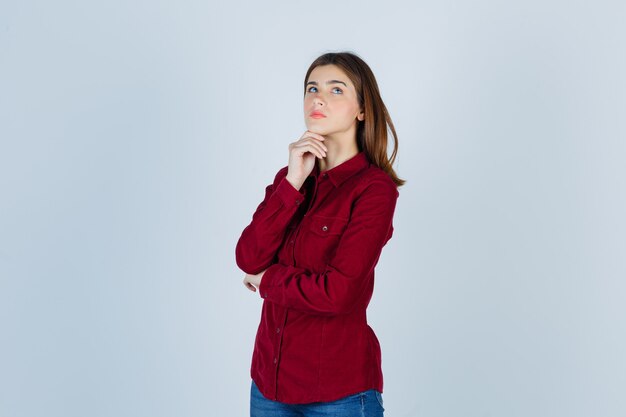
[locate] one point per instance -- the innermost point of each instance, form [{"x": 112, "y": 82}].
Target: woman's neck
[{"x": 337, "y": 153}]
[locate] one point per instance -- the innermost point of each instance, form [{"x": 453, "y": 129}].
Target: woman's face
[{"x": 331, "y": 106}]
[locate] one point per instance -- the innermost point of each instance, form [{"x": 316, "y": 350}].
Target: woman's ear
[{"x": 361, "y": 116}]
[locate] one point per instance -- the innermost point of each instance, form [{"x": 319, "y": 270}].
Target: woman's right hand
[{"x": 302, "y": 154}]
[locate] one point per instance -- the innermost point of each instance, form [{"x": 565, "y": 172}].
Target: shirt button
[
  {"x": 291, "y": 241},
  {"x": 324, "y": 228},
  {"x": 298, "y": 202},
  {"x": 275, "y": 360},
  {"x": 278, "y": 330}
]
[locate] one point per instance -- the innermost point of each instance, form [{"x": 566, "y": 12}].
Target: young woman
[{"x": 312, "y": 246}]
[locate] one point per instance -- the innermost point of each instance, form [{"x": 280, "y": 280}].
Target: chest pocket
[
  {"x": 327, "y": 226},
  {"x": 320, "y": 241}
]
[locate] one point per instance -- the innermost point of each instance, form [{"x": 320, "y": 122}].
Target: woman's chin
[{"x": 316, "y": 129}]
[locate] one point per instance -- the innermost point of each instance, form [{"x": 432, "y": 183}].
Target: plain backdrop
[{"x": 136, "y": 140}]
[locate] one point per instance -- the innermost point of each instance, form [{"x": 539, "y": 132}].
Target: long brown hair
[{"x": 372, "y": 131}]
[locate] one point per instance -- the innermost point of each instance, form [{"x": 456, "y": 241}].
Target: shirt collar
[{"x": 344, "y": 170}]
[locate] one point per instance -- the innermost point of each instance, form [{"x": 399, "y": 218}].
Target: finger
[
  {"x": 317, "y": 143},
  {"x": 313, "y": 139},
  {"x": 316, "y": 135},
  {"x": 310, "y": 145},
  {"x": 301, "y": 143},
  {"x": 301, "y": 150},
  {"x": 320, "y": 147},
  {"x": 246, "y": 282}
]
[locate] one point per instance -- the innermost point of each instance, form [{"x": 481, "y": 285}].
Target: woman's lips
[{"x": 317, "y": 115}]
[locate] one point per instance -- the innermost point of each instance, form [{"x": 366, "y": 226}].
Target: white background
[{"x": 136, "y": 139}]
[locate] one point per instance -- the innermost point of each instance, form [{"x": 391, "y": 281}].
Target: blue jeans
[{"x": 364, "y": 404}]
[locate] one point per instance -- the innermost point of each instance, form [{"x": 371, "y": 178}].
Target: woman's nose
[{"x": 318, "y": 100}]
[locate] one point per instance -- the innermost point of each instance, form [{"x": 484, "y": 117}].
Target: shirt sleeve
[
  {"x": 260, "y": 240},
  {"x": 341, "y": 285}
]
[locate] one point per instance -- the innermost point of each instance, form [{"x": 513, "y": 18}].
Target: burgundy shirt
[{"x": 320, "y": 246}]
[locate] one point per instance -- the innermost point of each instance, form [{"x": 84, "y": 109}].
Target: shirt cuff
[
  {"x": 288, "y": 193},
  {"x": 268, "y": 290}
]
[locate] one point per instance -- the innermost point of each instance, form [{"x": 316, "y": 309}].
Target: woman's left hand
[{"x": 252, "y": 282}]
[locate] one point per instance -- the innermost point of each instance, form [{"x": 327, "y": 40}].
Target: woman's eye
[
  {"x": 310, "y": 88},
  {"x": 338, "y": 89}
]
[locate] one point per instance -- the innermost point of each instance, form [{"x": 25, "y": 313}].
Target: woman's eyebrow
[{"x": 328, "y": 82}]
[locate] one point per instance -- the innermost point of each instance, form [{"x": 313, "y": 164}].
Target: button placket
[{"x": 277, "y": 352}]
